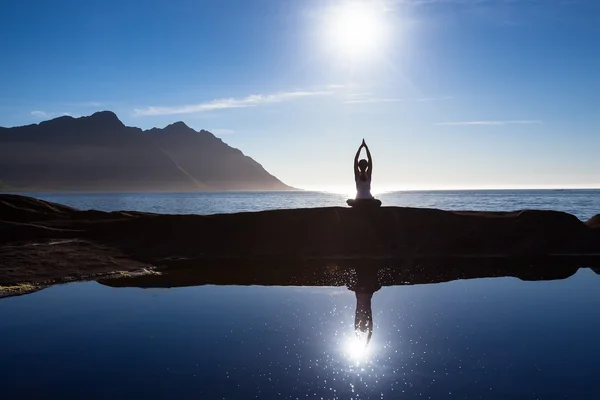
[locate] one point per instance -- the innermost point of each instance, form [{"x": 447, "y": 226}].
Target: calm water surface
[
  {"x": 498, "y": 338},
  {"x": 582, "y": 203}
]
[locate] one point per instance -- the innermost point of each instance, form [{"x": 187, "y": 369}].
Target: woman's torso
[{"x": 363, "y": 188}]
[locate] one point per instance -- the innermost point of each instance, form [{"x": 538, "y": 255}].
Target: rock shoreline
[{"x": 48, "y": 242}]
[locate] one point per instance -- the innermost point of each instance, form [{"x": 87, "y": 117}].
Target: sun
[{"x": 356, "y": 29}]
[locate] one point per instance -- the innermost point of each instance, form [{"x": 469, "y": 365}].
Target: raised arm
[
  {"x": 356, "y": 171},
  {"x": 370, "y": 161}
]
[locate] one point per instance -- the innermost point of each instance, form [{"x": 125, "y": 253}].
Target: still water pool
[{"x": 496, "y": 338}]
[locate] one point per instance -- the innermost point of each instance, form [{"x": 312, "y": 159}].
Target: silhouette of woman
[{"x": 363, "y": 170}]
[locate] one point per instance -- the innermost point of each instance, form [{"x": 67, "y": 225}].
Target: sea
[
  {"x": 486, "y": 338},
  {"x": 583, "y": 203}
]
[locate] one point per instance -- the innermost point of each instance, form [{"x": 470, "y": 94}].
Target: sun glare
[
  {"x": 356, "y": 348},
  {"x": 349, "y": 191},
  {"x": 356, "y": 29}
]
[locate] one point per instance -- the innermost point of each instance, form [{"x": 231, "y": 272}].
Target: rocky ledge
[{"x": 43, "y": 242}]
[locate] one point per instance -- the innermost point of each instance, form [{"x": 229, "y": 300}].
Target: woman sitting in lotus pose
[{"x": 363, "y": 171}]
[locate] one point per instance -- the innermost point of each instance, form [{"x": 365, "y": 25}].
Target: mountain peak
[
  {"x": 180, "y": 123},
  {"x": 104, "y": 114},
  {"x": 106, "y": 118},
  {"x": 179, "y": 127}
]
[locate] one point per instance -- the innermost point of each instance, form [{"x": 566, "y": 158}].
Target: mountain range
[{"x": 100, "y": 153}]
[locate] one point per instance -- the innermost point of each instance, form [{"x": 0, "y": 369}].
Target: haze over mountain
[{"x": 100, "y": 153}]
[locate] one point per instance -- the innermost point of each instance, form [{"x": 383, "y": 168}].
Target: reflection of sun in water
[
  {"x": 356, "y": 348},
  {"x": 356, "y": 28}
]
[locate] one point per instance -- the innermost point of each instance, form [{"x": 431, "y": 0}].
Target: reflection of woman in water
[
  {"x": 366, "y": 284},
  {"x": 363, "y": 320},
  {"x": 362, "y": 173}
]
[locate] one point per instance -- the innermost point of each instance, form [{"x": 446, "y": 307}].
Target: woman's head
[{"x": 362, "y": 165}]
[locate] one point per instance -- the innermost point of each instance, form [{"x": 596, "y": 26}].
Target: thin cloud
[
  {"x": 47, "y": 115},
  {"x": 491, "y": 123},
  {"x": 222, "y": 104},
  {"x": 40, "y": 114},
  {"x": 360, "y": 94}
]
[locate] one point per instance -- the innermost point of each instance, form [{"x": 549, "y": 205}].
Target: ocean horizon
[{"x": 583, "y": 203}]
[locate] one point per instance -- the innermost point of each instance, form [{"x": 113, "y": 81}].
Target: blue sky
[{"x": 447, "y": 93}]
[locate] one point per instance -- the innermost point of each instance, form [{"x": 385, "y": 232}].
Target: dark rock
[
  {"x": 411, "y": 236},
  {"x": 594, "y": 223},
  {"x": 361, "y": 274},
  {"x": 15, "y": 208}
]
